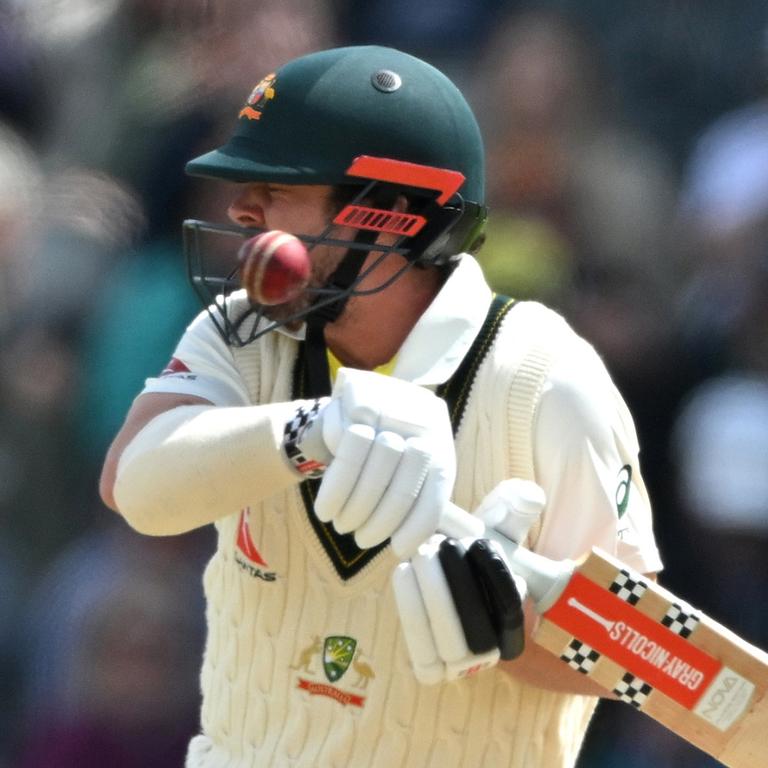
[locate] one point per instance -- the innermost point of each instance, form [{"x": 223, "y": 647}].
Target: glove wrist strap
[{"x": 295, "y": 438}]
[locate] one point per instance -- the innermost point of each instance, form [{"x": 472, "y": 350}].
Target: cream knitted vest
[{"x": 304, "y": 669}]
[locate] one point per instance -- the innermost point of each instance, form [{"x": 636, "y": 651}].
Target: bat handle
[
  {"x": 512, "y": 507},
  {"x": 455, "y": 522},
  {"x": 546, "y": 578}
]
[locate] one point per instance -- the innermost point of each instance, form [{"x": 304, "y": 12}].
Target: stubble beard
[{"x": 323, "y": 266}]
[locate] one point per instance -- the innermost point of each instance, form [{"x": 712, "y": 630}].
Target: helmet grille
[{"x": 386, "y": 81}]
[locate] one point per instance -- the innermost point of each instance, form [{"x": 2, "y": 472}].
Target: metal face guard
[{"x": 214, "y": 273}]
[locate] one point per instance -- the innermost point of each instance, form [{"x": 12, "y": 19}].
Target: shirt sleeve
[
  {"x": 202, "y": 365},
  {"x": 586, "y": 455}
]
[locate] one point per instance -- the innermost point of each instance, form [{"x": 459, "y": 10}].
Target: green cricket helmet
[{"x": 376, "y": 120}]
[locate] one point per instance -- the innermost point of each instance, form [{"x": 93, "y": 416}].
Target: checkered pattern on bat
[
  {"x": 681, "y": 619},
  {"x": 632, "y": 690},
  {"x": 292, "y": 434},
  {"x": 628, "y": 586},
  {"x": 580, "y": 656}
]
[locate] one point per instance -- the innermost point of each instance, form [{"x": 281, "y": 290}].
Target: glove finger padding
[
  {"x": 441, "y": 608},
  {"x": 342, "y": 475},
  {"x": 414, "y": 621},
  {"x": 398, "y": 499},
  {"x": 423, "y": 518},
  {"x": 501, "y": 595},
  {"x": 375, "y": 477},
  {"x": 431, "y": 605},
  {"x": 470, "y": 603}
]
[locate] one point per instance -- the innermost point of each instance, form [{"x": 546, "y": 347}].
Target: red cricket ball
[{"x": 274, "y": 267}]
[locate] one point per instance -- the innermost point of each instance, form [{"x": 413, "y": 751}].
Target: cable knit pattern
[{"x": 268, "y": 698}]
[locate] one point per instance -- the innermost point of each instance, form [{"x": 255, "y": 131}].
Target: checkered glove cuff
[{"x": 295, "y": 429}]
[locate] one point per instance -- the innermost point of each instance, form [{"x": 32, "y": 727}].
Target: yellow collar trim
[{"x": 334, "y": 364}]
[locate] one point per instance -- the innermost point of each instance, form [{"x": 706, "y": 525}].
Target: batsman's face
[
  {"x": 298, "y": 209},
  {"x": 304, "y": 209}
]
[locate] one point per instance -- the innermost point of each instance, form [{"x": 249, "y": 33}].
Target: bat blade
[
  {"x": 650, "y": 648},
  {"x": 656, "y": 653}
]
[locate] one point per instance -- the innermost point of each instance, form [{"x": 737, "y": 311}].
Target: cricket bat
[
  {"x": 653, "y": 651},
  {"x": 650, "y": 648}
]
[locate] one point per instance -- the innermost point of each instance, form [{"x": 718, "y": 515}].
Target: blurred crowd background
[{"x": 628, "y": 180}]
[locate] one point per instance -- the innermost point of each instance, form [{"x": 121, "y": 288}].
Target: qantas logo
[
  {"x": 246, "y": 555},
  {"x": 174, "y": 366},
  {"x": 178, "y": 370}
]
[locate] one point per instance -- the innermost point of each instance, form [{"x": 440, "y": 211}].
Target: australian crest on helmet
[{"x": 260, "y": 96}]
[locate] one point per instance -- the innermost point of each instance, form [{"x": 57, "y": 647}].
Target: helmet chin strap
[{"x": 315, "y": 350}]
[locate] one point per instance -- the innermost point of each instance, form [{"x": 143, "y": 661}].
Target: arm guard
[{"x": 195, "y": 464}]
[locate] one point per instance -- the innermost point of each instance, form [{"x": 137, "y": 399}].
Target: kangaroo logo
[
  {"x": 307, "y": 654},
  {"x": 364, "y": 672}
]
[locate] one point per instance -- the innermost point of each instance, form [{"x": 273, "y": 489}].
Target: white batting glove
[
  {"x": 393, "y": 460},
  {"x": 460, "y": 605},
  {"x": 460, "y": 608},
  {"x": 512, "y": 508}
]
